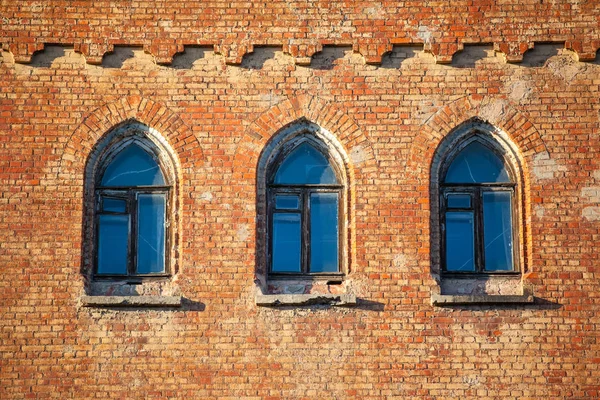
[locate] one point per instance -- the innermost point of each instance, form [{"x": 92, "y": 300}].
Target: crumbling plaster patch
[
  {"x": 358, "y": 155},
  {"x": 207, "y": 196},
  {"x": 519, "y": 91},
  {"x": 546, "y": 168},
  {"x": 243, "y": 233},
  {"x": 565, "y": 66},
  {"x": 591, "y": 195},
  {"x": 493, "y": 111}
]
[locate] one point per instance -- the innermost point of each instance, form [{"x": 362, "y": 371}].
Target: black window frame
[
  {"x": 476, "y": 192},
  {"x": 304, "y": 192},
  {"x": 130, "y": 195}
]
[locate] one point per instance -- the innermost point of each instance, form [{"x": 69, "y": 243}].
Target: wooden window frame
[
  {"x": 303, "y": 191},
  {"x": 130, "y": 195},
  {"x": 476, "y": 191}
]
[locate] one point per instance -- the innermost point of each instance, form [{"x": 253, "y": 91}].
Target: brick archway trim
[
  {"x": 497, "y": 112},
  {"x": 132, "y": 108},
  {"x": 315, "y": 110}
]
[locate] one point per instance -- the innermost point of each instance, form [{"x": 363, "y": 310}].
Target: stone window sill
[
  {"x": 441, "y": 300},
  {"x": 285, "y": 300},
  {"x": 131, "y": 301}
]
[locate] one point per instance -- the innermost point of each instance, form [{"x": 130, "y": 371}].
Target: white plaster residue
[
  {"x": 565, "y": 66},
  {"x": 473, "y": 380},
  {"x": 374, "y": 11},
  {"x": 591, "y": 213},
  {"x": 427, "y": 109},
  {"x": 492, "y": 111},
  {"x": 591, "y": 193},
  {"x": 243, "y": 233},
  {"x": 358, "y": 154},
  {"x": 208, "y": 196},
  {"x": 424, "y": 34},
  {"x": 546, "y": 168},
  {"x": 539, "y": 211},
  {"x": 520, "y": 90},
  {"x": 272, "y": 99},
  {"x": 400, "y": 261}
]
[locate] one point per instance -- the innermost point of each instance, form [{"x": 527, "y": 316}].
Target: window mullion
[
  {"x": 305, "y": 245},
  {"x": 132, "y": 245},
  {"x": 479, "y": 240}
]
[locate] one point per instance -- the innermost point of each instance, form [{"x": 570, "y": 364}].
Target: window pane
[
  {"x": 151, "y": 233},
  {"x": 114, "y": 205},
  {"x": 324, "y": 232},
  {"x": 287, "y": 202},
  {"x": 497, "y": 231},
  {"x": 113, "y": 236},
  {"x": 305, "y": 165},
  {"x": 460, "y": 254},
  {"x": 476, "y": 164},
  {"x": 133, "y": 166},
  {"x": 286, "y": 243},
  {"x": 459, "y": 200}
]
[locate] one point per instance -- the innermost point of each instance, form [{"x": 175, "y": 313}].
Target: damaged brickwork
[{"x": 389, "y": 88}]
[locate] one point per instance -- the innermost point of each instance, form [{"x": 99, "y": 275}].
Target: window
[
  {"x": 131, "y": 209},
  {"x": 477, "y": 212},
  {"x": 304, "y": 202}
]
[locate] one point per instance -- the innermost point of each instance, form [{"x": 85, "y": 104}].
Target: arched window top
[
  {"x": 476, "y": 163},
  {"x": 305, "y": 165},
  {"x": 133, "y": 166}
]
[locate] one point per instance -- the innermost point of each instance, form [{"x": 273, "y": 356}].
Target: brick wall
[{"x": 387, "y": 83}]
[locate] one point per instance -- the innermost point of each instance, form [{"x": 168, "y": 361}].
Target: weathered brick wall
[{"x": 390, "y": 117}]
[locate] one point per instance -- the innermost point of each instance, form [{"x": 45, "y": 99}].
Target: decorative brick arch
[
  {"x": 132, "y": 108},
  {"x": 498, "y": 113},
  {"x": 312, "y": 109},
  {"x": 333, "y": 127},
  {"x": 178, "y": 146}
]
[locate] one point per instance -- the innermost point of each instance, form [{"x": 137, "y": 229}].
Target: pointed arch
[
  {"x": 500, "y": 146},
  {"x": 293, "y": 113},
  {"x": 277, "y": 151},
  {"x": 139, "y": 146},
  {"x": 164, "y": 124},
  {"x": 499, "y": 113}
]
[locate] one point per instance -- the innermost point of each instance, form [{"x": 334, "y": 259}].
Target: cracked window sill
[
  {"x": 131, "y": 301},
  {"x": 284, "y": 300},
  {"x": 440, "y": 300}
]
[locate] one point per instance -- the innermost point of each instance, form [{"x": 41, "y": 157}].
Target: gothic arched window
[
  {"x": 304, "y": 204},
  {"x": 131, "y": 208},
  {"x": 478, "y": 211}
]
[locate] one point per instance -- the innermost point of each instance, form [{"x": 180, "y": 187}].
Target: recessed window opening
[
  {"x": 304, "y": 203},
  {"x": 478, "y": 211},
  {"x": 132, "y": 199}
]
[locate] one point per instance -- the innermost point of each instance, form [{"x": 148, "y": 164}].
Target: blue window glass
[
  {"x": 305, "y": 165},
  {"x": 113, "y": 242},
  {"x": 305, "y": 225},
  {"x": 459, "y": 200},
  {"x": 114, "y": 205},
  {"x": 133, "y": 167},
  {"x": 478, "y": 213},
  {"x": 132, "y": 210},
  {"x": 324, "y": 232},
  {"x": 477, "y": 164},
  {"x": 284, "y": 202},
  {"x": 151, "y": 233},
  {"x": 460, "y": 246},
  {"x": 286, "y": 242},
  {"x": 497, "y": 231}
]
